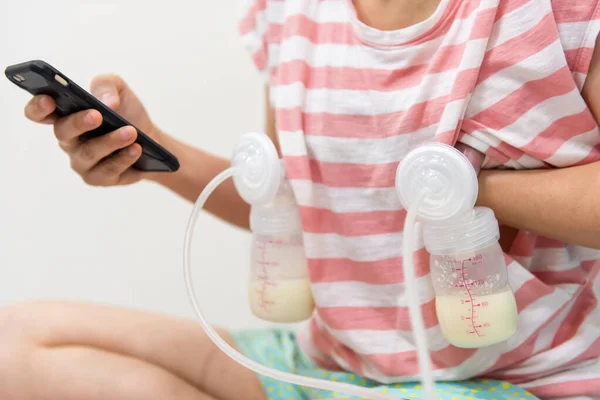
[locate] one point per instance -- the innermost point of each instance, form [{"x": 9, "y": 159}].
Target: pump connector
[
  {"x": 446, "y": 174},
  {"x": 258, "y": 168}
]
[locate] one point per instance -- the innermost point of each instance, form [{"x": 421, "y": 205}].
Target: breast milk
[{"x": 486, "y": 320}]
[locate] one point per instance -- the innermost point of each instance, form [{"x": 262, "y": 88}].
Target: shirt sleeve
[
  {"x": 259, "y": 27},
  {"x": 526, "y": 111},
  {"x": 578, "y": 24}
]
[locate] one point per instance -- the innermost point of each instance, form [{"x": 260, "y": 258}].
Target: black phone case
[{"x": 41, "y": 78}]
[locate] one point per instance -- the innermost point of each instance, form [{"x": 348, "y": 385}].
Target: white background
[{"x": 62, "y": 239}]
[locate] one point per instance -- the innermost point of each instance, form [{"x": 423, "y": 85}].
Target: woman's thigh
[{"x": 175, "y": 345}]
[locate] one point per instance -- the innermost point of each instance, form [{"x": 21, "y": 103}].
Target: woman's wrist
[{"x": 197, "y": 168}]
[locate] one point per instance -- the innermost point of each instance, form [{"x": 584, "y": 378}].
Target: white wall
[{"x": 61, "y": 239}]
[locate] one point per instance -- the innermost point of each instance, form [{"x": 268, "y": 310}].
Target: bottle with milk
[
  {"x": 279, "y": 288},
  {"x": 475, "y": 304}
]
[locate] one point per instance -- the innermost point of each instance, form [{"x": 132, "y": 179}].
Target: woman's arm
[
  {"x": 198, "y": 168},
  {"x": 563, "y": 204}
]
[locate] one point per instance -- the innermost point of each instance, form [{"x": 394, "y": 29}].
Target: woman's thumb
[{"x": 107, "y": 89}]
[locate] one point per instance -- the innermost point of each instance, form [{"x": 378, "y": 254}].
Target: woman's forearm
[
  {"x": 197, "y": 169},
  {"x": 563, "y": 204}
]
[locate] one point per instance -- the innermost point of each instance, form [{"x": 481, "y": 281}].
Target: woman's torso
[{"x": 350, "y": 102}]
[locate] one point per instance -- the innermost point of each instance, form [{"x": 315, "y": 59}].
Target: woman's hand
[{"x": 104, "y": 160}]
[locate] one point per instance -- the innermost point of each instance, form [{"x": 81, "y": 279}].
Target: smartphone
[{"x": 38, "y": 77}]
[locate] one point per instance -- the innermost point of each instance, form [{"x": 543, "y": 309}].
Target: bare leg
[{"x": 74, "y": 351}]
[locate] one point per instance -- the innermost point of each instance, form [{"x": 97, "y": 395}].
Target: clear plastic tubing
[
  {"x": 414, "y": 309},
  {"x": 437, "y": 184},
  {"x": 256, "y": 173}
]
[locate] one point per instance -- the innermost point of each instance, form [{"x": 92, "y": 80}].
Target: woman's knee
[
  {"x": 17, "y": 345},
  {"x": 24, "y": 327},
  {"x": 24, "y": 322},
  {"x": 17, "y": 321}
]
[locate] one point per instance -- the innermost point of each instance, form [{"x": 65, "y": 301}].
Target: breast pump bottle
[
  {"x": 283, "y": 294},
  {"x": 474, "y": 302},
  {"x": 279, "y": 289}
]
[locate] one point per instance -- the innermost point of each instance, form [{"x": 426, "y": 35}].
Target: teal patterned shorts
[{"x": 279, "y": 349}]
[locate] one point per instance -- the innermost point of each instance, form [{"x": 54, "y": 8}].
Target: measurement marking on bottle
[
  {"x": 470, "y": 297},
  {"x": 471, "y": 283},
  {"x": 267, "y": 264},
  {"x": 264, "y": 276}
]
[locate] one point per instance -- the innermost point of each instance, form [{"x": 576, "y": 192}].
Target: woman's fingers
[
  {"x": 68, "y": 129},
  {"x": 115, "y": 169},
  {"x": 40, "y": 108},
  {"x": 91, "y": 152}
]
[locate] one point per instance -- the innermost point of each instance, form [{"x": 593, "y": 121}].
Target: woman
[{"x": 352, "y": 86}]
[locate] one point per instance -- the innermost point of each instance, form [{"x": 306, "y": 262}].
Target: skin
[
  {"x": 54, "y": 350},
  {"x": 544, "y": 201}
]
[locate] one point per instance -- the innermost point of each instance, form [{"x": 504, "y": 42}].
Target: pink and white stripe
[{"x": 502, "y": 76}]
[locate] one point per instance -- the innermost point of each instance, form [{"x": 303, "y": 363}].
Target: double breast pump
[
  {"x": 279, "y": 289},
  {"x": 437, "y": 185}
]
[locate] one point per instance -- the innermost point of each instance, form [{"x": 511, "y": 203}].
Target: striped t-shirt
[{"x": 350, "y": 101}]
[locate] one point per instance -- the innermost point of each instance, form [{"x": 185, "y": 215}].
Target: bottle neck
[
  {"x": 473, "y": 231},
  {"x": 279, "y": 216}
]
